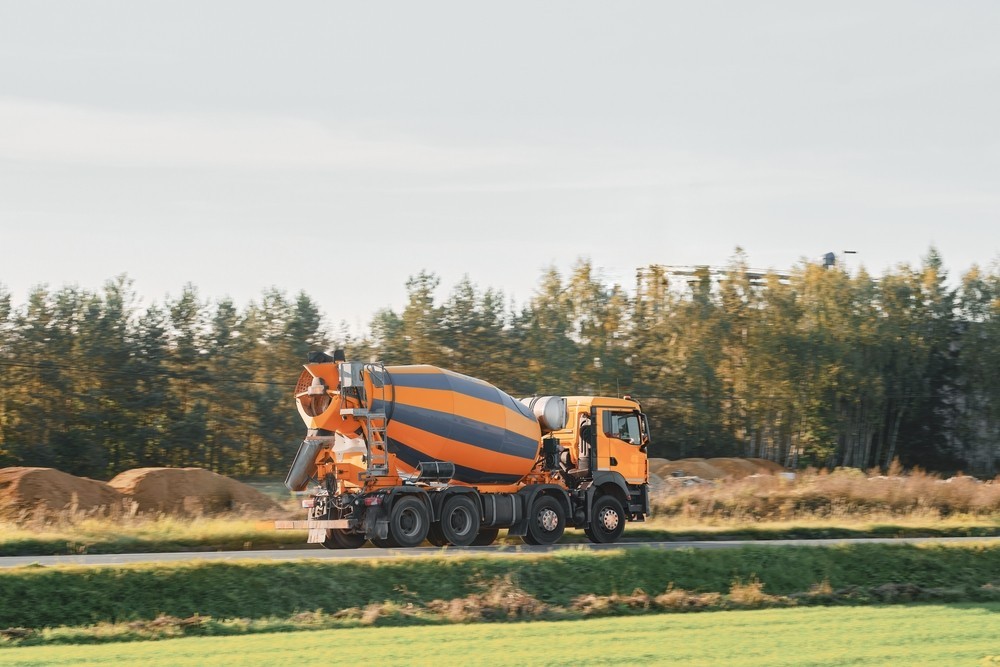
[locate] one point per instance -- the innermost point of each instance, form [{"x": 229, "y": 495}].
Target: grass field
[
  {"x": 501, "y": 586},
  {"x": 951, "y": 635}
]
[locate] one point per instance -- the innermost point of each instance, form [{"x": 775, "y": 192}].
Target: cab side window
[{"x": 624, "y": 426}]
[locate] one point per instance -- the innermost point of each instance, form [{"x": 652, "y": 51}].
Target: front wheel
[
  {"x": 607, "y": 521},
  {"x": 546, "y": 522}
]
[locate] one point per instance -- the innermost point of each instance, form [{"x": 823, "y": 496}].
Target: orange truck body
[{"x": 399, "y": 455}]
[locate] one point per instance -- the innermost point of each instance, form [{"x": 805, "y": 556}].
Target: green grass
[
  {"x": 949, "y": 635},
  {"x": 36, "y": 597}
]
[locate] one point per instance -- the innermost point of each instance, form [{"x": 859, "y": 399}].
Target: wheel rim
[
  {"x": 548, "y": 520},
  {"x": 460, "y": 521},
  {"x": 608, "y": 519},
  {"x": 409, "y": 522}
]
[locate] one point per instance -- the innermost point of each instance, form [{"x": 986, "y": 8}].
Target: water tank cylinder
[{"x": 549, "y": 410}]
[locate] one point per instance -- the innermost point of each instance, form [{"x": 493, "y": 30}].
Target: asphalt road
[{"x": 373, "y": 553}]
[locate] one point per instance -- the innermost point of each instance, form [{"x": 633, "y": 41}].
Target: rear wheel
[
  {"x": 460, "y": 521},
  {"x": 387, "y": 543},
  {"x": 486, "y": 537},
  {"x": 607, "y": 521},
  {"x": 330, "y": 542},
  {"x": 546, "y": 522},
  {"x": 409, "y": 522},
  {"x": 435, "y": 537},
  {"x": 341, "y": 539}
]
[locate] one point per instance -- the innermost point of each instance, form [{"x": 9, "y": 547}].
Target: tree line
[{"x": 816, "y": 366}]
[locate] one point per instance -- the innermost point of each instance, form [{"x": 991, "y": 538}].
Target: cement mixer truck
[{"x": 400, "y": 455}]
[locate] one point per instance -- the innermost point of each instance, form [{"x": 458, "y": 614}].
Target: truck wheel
[
  {"x": 435, "y": 537},
  {"x": 408, "y": 522},
  {"x": 546, "y": 522},
  {"x": 486, "y": 537},
  {"x": 460, "y": 521},
  {"x": 387, "y": 543},
  {"x": 341, "y": 539},
  {"x": 607, "y": 521},
  {"x": 330, "y": 542}
]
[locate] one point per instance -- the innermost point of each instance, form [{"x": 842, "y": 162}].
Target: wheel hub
[
  {"x": 548, "y": 520},
  {"x": 409, "y": 523},
  {"x": 460, "y": 522},
  {"x": 608, "y": 519}
]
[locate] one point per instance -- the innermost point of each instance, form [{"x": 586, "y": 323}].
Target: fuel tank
[{"x": 438, "y": 415}]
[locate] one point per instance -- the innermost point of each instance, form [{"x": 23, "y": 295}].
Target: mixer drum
[{"x": 438, "y": 415}]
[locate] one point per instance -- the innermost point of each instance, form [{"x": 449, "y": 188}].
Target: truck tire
[
  {"x": 486, "y": 537},
  {"x": 409, "y": 522},
  {"x": 460, "y": 521},
  {"x": 546, "y": 521},
  {"x": 607, "y": 520},
  {"x": 435, "y": 536},
  {"x": 341, "y": 539},
  {"x": 331, "y": 542},
  {"x": 387, "y": 543}
]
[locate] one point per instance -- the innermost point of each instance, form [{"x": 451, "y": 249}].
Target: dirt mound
[
  {"x": 716, "y": 468},
  {"x": 34, "y": 492},
  {"x": 765, "y": 467},
  {"x": 687, "y": 468},
  {"x": 190, "y": 492},
  {"x": 733, "y": 467},
  {"x": 657, "y": 484}
]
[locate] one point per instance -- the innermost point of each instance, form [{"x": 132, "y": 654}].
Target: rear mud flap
[
  {"x": 376, "y": 526},
  {"x": 316, "y": 535}
]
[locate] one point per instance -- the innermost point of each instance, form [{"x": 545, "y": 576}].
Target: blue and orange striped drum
[{"x": 438, "y": 415}]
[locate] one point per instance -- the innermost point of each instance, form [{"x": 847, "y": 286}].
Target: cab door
[{"x": 620, "y": 444}]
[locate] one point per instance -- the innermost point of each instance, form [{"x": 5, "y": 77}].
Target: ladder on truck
[{"x": 374, "y": 422}]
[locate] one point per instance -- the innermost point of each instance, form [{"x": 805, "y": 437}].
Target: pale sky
[{"x": 343, "y": 147}]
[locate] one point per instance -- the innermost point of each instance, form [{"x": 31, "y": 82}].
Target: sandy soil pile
[
  {"x": 27, "y": 493},
  {"x": 716, "y": 468},
  {"x": 772, "y": 467},
  {"x": 190, "y": 492},
  {"x": 31, "y": 492},
  {"x": 686, "y": 467}
]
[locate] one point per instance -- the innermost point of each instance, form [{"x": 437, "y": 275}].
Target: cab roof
[{"x": 586, "y": 402}]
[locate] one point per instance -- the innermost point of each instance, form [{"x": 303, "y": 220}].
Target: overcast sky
[{"x": 341, "y": 148}]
